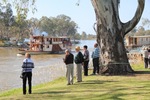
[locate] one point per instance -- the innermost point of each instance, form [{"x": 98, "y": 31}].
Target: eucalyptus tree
[
  {"x": 145, "y": 22},
  {"x": 22, "y": 24},
  {"x": 47, "y": 25},
  {"x": 83, "y": 35},
  {"x": 22, "y": 8},
  {"x": 61, "y": 25},
  {"x": 6, "y": 18},
  {"x": 33, "y": 23},
  {"x": 111, "y": 32},
  {"x": 132, "y": 32},
  {"x": 72, "y": 30},
  {"x": 147, "y": 32},
  {"x": 140, "y": 31}
]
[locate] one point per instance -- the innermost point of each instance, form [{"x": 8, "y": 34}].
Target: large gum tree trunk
[{"x": 110, "y": 35}]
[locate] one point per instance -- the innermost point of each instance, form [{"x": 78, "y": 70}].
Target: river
[{"x": 47, "y": 67}]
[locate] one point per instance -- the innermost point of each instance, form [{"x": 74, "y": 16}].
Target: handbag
[{"x": 23, "y": 74}]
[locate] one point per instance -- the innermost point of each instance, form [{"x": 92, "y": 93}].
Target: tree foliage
[
  {"x": 22, "y": 7},
  {"x": 61, "y": 25},
  {"x": 145, "y": 22}
]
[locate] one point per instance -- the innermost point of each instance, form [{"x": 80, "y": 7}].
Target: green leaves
[{"x": 22, "y": 7}]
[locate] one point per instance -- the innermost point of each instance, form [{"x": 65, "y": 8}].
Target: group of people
[
  {"x": 81, "y": 62},
  {"x": 146, "y": 57}
]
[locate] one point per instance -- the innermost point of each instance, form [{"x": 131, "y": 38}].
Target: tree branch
[{"x": 133, "y": 22}]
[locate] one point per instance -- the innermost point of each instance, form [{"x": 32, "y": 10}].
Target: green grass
[{"x": 129, "y": 87}]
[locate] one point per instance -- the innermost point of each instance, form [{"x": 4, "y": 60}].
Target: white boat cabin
[{"x": 55, "y": 44}]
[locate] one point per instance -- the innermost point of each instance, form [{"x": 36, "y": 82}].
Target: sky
[{"x": 84, "y": 14}]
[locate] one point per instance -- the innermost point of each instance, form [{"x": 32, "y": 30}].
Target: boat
[
  {"x": 75, "y": 41},
  {"x": 46, "y": 45}
]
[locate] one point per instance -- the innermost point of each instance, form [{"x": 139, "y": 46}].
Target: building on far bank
[{"x": 137, "y": 41}]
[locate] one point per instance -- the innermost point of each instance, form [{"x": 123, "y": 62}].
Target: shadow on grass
[
  {"x": 103, "y": 93},
  {"x": 142, "y": 72},
  {"x": 52, "y": 92},
  {"x": 95, "y": 82}
]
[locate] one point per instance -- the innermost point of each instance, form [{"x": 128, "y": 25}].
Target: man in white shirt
[{"x": 145, "y": 57}]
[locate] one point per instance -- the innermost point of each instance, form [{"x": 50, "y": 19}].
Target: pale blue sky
[{"x": 84, "y": 14}]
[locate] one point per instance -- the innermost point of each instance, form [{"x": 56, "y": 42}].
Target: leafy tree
[
  {"x": 77, "y": 36},
  {"x": 147, "y": 32},
  {"x": 145, "y": 21},
  {"x": 22, "y": 7},
  {"x": 6, "y": 18},
  {"x": 132, "y": 32},
  {"x": 62, "y": 25},
  {"x": 33, "y": 23},
  {"x": 91, "y": 36},
  {"x": 47, "y": 25},
  {"x": 140, "y": 31},
  {"x": 84, "y": 35}
]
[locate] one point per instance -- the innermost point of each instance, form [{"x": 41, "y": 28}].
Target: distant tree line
[{"x": 61, "y": 25}]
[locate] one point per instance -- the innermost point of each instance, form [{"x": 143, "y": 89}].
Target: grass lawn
[{"x": 96, "y": 87}]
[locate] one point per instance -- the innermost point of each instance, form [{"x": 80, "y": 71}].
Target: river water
[{"x": 47, "y": 67}]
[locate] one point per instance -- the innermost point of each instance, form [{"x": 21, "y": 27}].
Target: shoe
[
  {"x": 68, "y": 84},
  {"x": 79, "y": 81}
]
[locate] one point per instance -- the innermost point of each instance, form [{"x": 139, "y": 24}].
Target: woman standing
[
  {"x": 79, "y": 61},
  {"x": 27, "y": 67}
]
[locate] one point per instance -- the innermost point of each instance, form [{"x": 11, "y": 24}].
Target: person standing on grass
[
  {"x": 86, "y": 60},
  {"x": 68, "y": 60},
  {"x": 79, "y": 61},
  {"x": 95, "y": 58},
  {"x": 149, "y": 57},
  {"x": 145, "y": 57},
  {"x": 27, "y": 67}
]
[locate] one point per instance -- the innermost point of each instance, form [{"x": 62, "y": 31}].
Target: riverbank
[
  {"x": 96, "y": 87},
  {"x": 47, "y": 67}
]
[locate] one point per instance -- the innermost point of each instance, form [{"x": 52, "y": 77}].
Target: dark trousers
[
  {"x": 96, "y": 65},
  {"x": 27, "y": 75},
  {"x": 86, "y": 68},
  {"x": 146, "y": 62}
]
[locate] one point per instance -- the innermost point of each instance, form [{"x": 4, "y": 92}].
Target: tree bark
[{"x": 110, "y": 35}]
